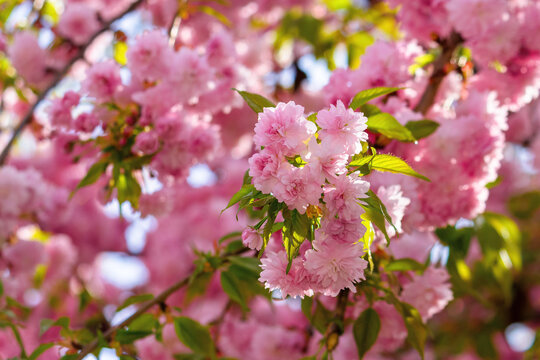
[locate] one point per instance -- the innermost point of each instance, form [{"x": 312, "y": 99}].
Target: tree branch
[
  {"x": 440, "y": 69},
  {"x": 157, "y": 300},
  {"x": 27, "y": 119},
  {"x": 336, "y": 327}
]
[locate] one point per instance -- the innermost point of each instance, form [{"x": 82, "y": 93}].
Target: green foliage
[
  {"x": 296, "y": 229},
  {"x": 46, "y": 324},
  {"x": 404, "y": 264},
  {"x": 273, "y": 209},
  {"x": 366, "y": 330},
  {"x": 141, "y": 327},
  {"x": 385, "y": 124},
  {"x": 364, "y": 96},
  {"x": 385, "y": 162},
  {"x": 524, "y": 206},
  {"x": 93, "y": 174},
  {"x": 376, "y": 213},
  {"x": 416, "y": 329},
  {"x": 246, "y": 192},
  {"x": 318, "y": 316},
  {"x": 127, "y": 187},
  {"x": 255, "y": 101},
  {"x": 135, "y": 299},
  {"x": 240, "y": 280},
  {"x": 40, "y": 350},
  {"x": 422, "y": 128},
  {"x": 195, "y": 336}
]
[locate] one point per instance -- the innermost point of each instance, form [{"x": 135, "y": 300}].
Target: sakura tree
[{"x": 301, "y": 179}]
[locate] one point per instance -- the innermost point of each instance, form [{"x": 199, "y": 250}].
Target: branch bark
[
  {"x": 440, "y": 69},
  {"x": 27, "y": 119},
  {"x": 336, "y": 327},
  {"x": 157, "y": 300}
]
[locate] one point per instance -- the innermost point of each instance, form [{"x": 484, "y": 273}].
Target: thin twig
[
  {"x": 157, "y": 300},
  {"x": 27, "y": 119},
  {"x": 440, "y": 69}
]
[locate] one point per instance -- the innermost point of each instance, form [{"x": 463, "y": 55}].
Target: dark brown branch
[
  {"x": 157, "y": 300},
  {"x": 27, "y": 119},
  {"x": 440, "y": 69},
  {"x": 336, "y": 327}
]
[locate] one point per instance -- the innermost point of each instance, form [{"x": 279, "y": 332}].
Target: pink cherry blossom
[
  {"x": 429, "y": 293},
  {"x": 150, "y": 56},
  {"x": 341, "y": 197},
  {"x": 252, "y": 239},
  {"x": 102, "y": 80},
  {"x": 28, "y": 58},
  {"x": 78, "y": 22},
  {"x": 342, "y": 128},
  {"x": 147, "y": 142},
  {"x": 86, "y": 122},
  {"x": 284, "y": 128},
  {"x": 264, "y": 167},
  {"x": 297, "y": 187},
  {"x": 335, "y": 267},
  {"x": 294, "y": 283}
]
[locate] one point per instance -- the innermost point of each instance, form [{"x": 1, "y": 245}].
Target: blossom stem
[
  {"x": 440, "y": 69},
  {"x": 27, "y": 119},
  {"x": 336, "y": 327}
]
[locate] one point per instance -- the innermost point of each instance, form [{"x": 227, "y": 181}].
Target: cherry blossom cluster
[{"x": 284, "y": 134}]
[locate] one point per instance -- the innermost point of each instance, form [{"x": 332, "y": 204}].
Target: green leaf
[
  {"x": 321, "y": 317},
  {"x": 524, "y": 206},
  {"x": 194, "y": 336},
  {"x": 366, "y": 95},
  {"x": 232, "y": 235},
  {"x": 499, "y": 234},
  {"x": 135, "y": 299},
  {"x": 273, "y": 210},
  {"x": 46, "y": 324},
  {"x": 306, "y": 305},
  {"x": 189, "y": 357},
  {"x": 376, "y": 213},
  {"x": 127, "y": 336},
  {"x": 388, "y": 163},
  {"x": 231, "y": 286},
  {"x": 422, "y": 128},
  {"x": 145, "y": 322},
  {"x": 247, "y": 265},
  {"x": 369, "y": 110},
  {"x": 366, "y": 330},
  {"x": 245, "y": 191},
  {"x": 94, "y": 173},
  {"x": 198, "y": 286},
  {"x": 255, "y": 101},
  {"x": 40, "y": 350},
  {"x": 387, "y": 125},
  {"x": 128, "y": 188},
  {"x": 417, "y": 332},
  {"x": 295, "y": 231},
  {"x": 404, "y": 264},
  {"x": 484, "y": 345}
]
